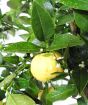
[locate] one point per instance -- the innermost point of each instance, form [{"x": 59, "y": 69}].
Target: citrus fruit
[{"x": 44, "y": 66}]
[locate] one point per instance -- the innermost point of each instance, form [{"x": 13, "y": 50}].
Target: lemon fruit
[{"x": 44, "y": 66}]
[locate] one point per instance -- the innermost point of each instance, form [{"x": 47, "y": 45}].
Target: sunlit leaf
[
  {"x": 14, "y": 4},
  {"x": 64, "y": 41},
  {"x": 23, "y": 47},
  {"x": 77, "y": 4},
  {"x": 19, "y": 99}
]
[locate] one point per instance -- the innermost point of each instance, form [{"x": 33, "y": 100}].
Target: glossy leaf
[
  {"x": 42, "y": 23},
  {"x": 22, "y": 47},
  {"x": 64, "y": 41},
  {"x": 77, "y": 4},
  {"x": 33, "y": 89},
  {"x": 81, "y": 20},
  {"x": 22, "y": 83},
  {"x": 19, "y": 99},
  {"x": 61, "y": 93},
  {"x": 29, "y": 85}
]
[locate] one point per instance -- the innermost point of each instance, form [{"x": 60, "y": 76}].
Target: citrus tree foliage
[{"x": 50, "y": 25}]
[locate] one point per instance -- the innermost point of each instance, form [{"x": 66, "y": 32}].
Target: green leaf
[
  {"x": 21, "y": 26},
  {"x": 5, "y": 73},
  {"x": 23, "y": 47},
  {"x": 81, "y": 20},
  {"x": 25, "y": 36},
  {"x": 8, "y": 19},
  {"x": 2, "y": 94},
  {"x": 80, "y": 78},
  {"x": 77, "y": 4},
  {"x": 7, "y": 80},
  {"x": 11, "y": 59},
  {"x": 81, "y": 101},
  {"x": 85, "y": 38},
  {"x": 64, "y": 41},
  {"x": 43, "y": 97},
  {"x": 46, "y": 4},
  {"x": 14, "y": 4},
  {"x": 1, "y": 58},
  {"x": 61, "y": 93},
  {"x": 60, "y": 76},
  {"x": 33, "y": 89},
  {"x": 24, "y": 19},
  {"x": 11, "y": 32},
  {"x": 42, "y": 23},
  {"x": 65, "y": 19},
  {"x": 19, "y": 99},
  {"x": 22, "y": 83},
  {"x": 30, "y": 86},
  {"x": 3, "y": 36},
  {"x": 49, "y": 7}
]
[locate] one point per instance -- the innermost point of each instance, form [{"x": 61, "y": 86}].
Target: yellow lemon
[{"x": 44, "y": 66}]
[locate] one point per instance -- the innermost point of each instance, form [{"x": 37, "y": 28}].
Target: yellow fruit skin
[{"x": 43, "y": 66}]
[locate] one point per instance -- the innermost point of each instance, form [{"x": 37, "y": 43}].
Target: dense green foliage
[{"x": 50, "y": 25}]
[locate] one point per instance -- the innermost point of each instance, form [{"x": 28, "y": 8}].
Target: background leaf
[
  {"x": 81, "y": 79},
  {"x": 81, "y": 101},
  {"x": 24, "y": 19},
  {"x": 14, "y": 4}
]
